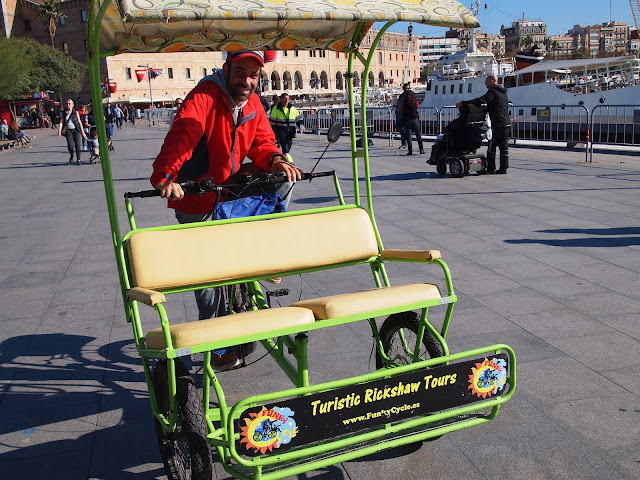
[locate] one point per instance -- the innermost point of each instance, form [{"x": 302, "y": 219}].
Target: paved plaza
[{"x": 545, "y": 259}]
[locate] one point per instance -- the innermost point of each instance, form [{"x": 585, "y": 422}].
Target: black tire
[
  {"x": 408, "y": 322},
  {"x": 185, "y": 452},
  {"x": 441, "y": 167},
  {"x": 456, "y": 168}
]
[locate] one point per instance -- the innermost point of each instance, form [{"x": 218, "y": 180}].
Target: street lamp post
[{"x": 149, "y": 80}]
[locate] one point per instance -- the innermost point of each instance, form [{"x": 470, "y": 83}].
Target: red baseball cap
[{"x": 255, "y": 54}]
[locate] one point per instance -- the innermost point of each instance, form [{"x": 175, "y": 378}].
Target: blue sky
[{"x": 559, "y": 15}]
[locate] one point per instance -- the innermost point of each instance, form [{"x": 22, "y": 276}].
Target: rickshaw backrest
[{"x": 201, "y": 255}]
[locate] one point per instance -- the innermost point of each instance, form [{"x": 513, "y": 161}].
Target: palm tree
[
  {"x": 554, "y": 47},
  {"x": 52, "y": 11},
  {"x": 527, "y": 41}
]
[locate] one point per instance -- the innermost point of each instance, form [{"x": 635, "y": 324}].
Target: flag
[
  {"x": 155, "y": 72},
  {"x": 141, "y": 75}
]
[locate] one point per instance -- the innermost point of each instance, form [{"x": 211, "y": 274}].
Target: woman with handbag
[{"x": 71, "y": 127}]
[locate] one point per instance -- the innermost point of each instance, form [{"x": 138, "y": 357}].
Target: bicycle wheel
[
  {"x": 399, "y": 351},
  {"x": 185, "y": 452}
]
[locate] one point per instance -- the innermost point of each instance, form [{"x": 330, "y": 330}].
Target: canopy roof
[{"x": 203, "y": 25}]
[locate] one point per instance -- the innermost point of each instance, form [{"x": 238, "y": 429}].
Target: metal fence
[
  {"x": 615, "y": 125},
  {"x": 573, "y": 124}
]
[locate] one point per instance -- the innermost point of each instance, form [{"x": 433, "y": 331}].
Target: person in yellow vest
[{"x": 284, "y": 119}]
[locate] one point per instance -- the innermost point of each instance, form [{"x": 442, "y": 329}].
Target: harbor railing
[{"x": 574, "y": 125}]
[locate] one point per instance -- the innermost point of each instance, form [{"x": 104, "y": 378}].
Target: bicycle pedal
[{"x": 281, "y": 292}]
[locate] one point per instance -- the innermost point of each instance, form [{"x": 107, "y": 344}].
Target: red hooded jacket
[{"x": 204, "y": 142}]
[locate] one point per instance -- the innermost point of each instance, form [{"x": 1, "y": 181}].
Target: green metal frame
[{"x": 289, "y": 348}]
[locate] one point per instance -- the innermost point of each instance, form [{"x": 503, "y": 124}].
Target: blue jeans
[
  {"x": 209, "y": 300},
  {"x": 413, "y": 126}
]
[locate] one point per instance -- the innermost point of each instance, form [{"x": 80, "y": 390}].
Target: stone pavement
[{"x": 545, "y": 259}]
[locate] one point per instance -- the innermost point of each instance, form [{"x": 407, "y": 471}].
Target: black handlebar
[{"x": 206, "y": 185}]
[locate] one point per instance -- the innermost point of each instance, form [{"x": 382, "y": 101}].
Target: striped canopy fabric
[{"x": 230, "y": 25}]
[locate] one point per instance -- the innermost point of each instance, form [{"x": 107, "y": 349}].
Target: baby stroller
[
  {"x": 92, "y": 141},
  {"x": 457, "y": 146}
]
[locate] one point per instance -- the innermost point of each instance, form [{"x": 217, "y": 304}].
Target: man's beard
[{"x": 239, "y": 91}]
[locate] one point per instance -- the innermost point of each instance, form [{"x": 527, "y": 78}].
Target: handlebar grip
[{"x": 143, "y": 194}]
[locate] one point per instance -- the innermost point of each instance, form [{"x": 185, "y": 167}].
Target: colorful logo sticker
[
  {"x": 488, "y": 377},
  {"x": 268, "y": 429}
]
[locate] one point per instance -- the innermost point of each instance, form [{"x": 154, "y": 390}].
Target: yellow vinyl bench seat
[
  {"x": 367, "y": 301},
  {"x": 255, "y": 323}
]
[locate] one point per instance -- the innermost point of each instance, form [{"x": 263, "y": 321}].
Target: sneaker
[
  {"x": 401, "y": 147},
  {"x": 224, "y": 362},
  {"x": 275, "y": 280},
  {"x": 501, "y": 171}
]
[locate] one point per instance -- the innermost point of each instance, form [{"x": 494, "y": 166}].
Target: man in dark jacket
[{"x": 498, "y": 108}]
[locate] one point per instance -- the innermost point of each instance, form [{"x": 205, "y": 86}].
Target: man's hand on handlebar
[
  {"x": 280, "y": 164},
  {"x": 170, "y": 190}
]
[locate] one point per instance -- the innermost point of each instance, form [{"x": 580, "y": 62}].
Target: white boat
[{"x": 588, "y": 82}]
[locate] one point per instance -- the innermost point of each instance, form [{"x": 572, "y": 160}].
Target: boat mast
[{"x": 405, "y": 77}]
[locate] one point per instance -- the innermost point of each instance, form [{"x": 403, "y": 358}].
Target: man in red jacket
[{"x": 220, "y": 123}]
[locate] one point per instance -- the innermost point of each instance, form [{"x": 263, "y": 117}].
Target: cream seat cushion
[
  {"x": 348, "y": 304},
  {"x": 214, "y": 253},
  {"x": 186, "y": 335}
]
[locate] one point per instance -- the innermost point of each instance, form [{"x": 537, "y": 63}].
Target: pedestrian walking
[
  {"x": 411, "y": 120},
  {"x": 71, "y": 127}
]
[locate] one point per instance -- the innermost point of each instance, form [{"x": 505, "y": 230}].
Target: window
[
  {"x": 170, "y": 72},
  {"x": 65, "y": 47},
  {"x": 338, "y": 55},
  {"x": 296, "y": 53},
  {"x": 379, "y": 57},
  {"x": 27, "y": 25},
  {"x": 204, "y": 72},
  {"x": 127, "y": 73},
  {"x": 63, "y": 20},
  {"x": 469, "y": 88},
  {"x": 460, "y": 89},
  {"x": 187, "y": 72},
  {"x": 83, "y": 15},
  {"x": 435, "y": 90},
  {"x": 452, "y": 87}
]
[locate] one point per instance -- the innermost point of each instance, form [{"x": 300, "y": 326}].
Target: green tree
[
  {"x": 52, "y": 12},
  {"x": 35, "y": 67},
  {"x": 526, "y": 42}
]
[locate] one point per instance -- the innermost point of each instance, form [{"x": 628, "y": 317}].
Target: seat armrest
[
  {"x": 416, "y": 255},
  {"x": 146, "y": 296}
]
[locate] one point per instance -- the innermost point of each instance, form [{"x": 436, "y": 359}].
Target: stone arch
[
  {"x": 314, "y": 81},
  {"x": 339, "y": 81},
  {"x": 381, "y": 79},
  {"x": 264, "y": 81},
  {"x": 371, "y": 82},
  {"x": 287, "y": 84},
  {"x": 275, "y": 80},
  {"x": 298, "y": 83},
  {"x": 324, "y": 80}
]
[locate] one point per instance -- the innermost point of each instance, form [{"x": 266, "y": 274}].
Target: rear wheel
[
  {"x": 441, "y": 166},
  {"x": 456, "y": 168},
  {"x": 399, "y": 333},
  {"x": 185, "y": 452},
  {"x": 241, "y": 302}
]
